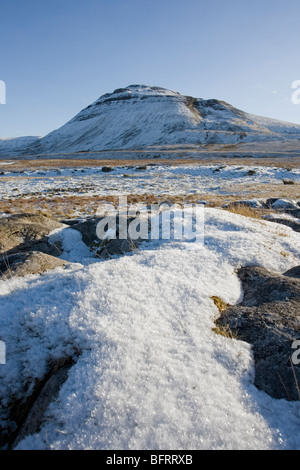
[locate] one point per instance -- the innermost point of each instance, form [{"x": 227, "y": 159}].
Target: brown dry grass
[
  {"x": 219, "y": 303},
  {"x": 70, "y": 206},
  {"x": 222, "y": 329},
  {"x": 73, "y": 206},
  {"x": 245, "y": 211},
  {"x": 225, "y": 331}
]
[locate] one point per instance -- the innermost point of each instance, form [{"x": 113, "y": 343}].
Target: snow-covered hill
[
  {"x": 140, "y": 116},
  {"x": 14, "y": 145}
]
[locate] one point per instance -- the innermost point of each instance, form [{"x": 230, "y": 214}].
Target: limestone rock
[
  {"x": 23, "y": 232},
  {"x": 32, "y": 262},
  {"x": 268, "y": 319}
]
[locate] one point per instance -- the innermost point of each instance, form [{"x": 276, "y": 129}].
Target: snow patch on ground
[
  {"x": 74, "y": 249},
  {"x": 152, "y": 373},
  {"x": 156, "y": 180}
]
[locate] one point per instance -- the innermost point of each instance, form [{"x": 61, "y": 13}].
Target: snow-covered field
[
  {"x": 149, "y": 371},
  {"x": 155, "y": 179},
  {"x": 152, "y": 374}
]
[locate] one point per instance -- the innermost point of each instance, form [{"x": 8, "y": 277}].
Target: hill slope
[{"x": 141, "y": 116}]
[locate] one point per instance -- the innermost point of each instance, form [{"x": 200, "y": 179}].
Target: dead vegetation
[
  {"x": 246, "y": 211},
  {"x": 225, "y": 331},
  {"x": 219, "y": 303},
  {"x": 222, "y": 330},
  {"x": 74, "y": 206},
  {"x": 68, "y": 206}
]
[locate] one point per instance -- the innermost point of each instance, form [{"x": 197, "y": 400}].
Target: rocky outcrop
[
  {"x": 268, "y": 319},
  {"x": 32, "y": 262},
  {"x": 28, "y": 413},
  {"x": 293, "y": 272},
  {"x": 277, "y": 205},
  {"x": 106, "y": 248},
  {"x": 293, "y": 224},
  {"x": 23, "y": 232},
  {"x": 25, "y": 246}
]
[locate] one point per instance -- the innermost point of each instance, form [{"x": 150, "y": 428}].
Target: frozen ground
[
  {"x": 152, "y": 374},
  {"x": 155, "y": 179}
]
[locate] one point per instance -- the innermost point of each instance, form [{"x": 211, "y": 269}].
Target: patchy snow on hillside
[
  {"x": 151, "y": 374},
  {"x": 12, "y": 146},
  {"x": 141, "y": 116}
]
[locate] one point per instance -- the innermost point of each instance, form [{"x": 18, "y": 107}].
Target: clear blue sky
[{"x": 58, "y": 56}]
